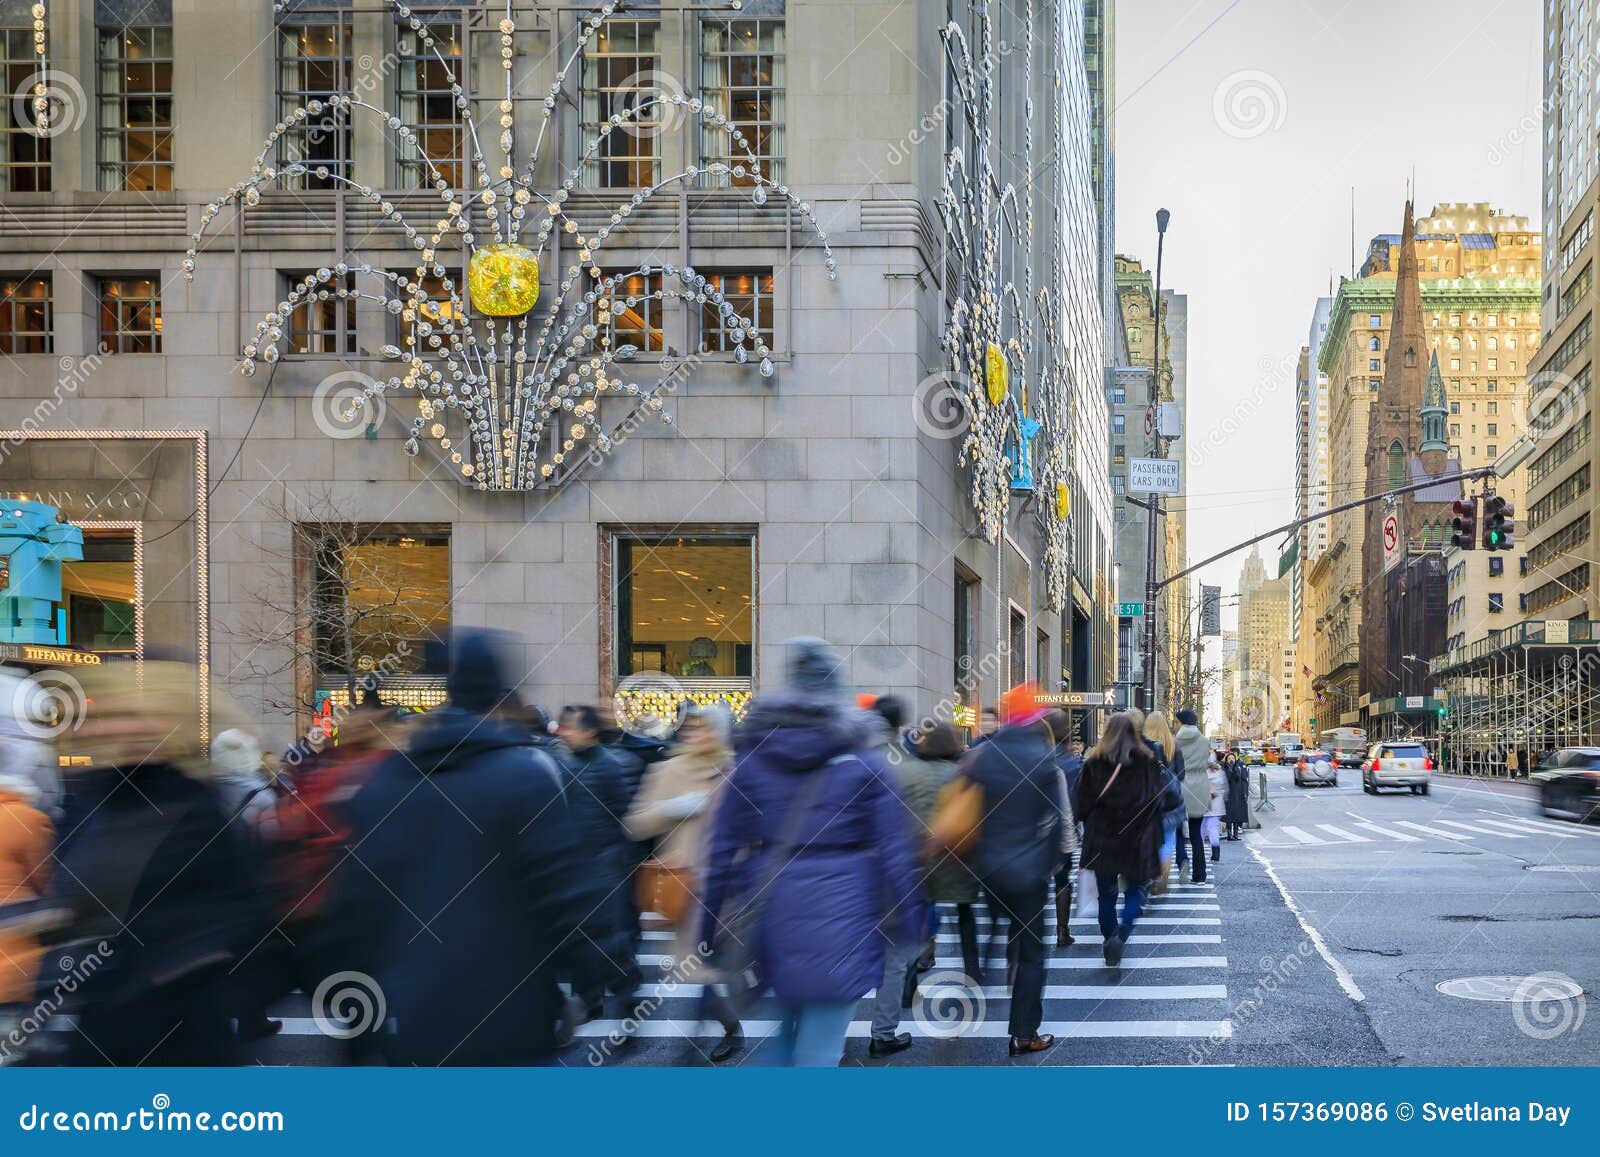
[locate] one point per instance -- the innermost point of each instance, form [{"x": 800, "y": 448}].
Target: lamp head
[{"x": 1162, "y": 217}]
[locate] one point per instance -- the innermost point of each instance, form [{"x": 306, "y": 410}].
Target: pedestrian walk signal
[
  {"x": 1498, "y": 523},
  {"x": 1464, "y": 526}
]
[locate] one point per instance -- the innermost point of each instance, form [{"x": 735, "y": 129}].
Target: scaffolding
[{"x": 1534, "y": 687}]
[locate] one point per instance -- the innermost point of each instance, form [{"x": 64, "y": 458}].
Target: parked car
[
  {"x": 1315, "y": 767},
  {"x": 1398, "y": 763},
  {"x": 1569, "y": 784}
]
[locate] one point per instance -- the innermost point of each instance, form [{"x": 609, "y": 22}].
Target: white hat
[{"x": 236, "y": 752}]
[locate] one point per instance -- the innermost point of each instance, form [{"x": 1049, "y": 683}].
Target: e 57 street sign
[{"x": 1153, "y": 475}]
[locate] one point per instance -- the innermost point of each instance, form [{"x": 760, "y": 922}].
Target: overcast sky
[{"x": 1250, "y": 120}]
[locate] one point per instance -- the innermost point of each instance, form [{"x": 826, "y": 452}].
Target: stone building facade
[{"x": 823, "y": 500}]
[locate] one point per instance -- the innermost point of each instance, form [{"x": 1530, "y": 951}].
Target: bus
[{"x": 1344, "y": 746}]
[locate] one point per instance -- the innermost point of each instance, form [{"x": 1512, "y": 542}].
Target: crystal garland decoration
[
  {"x": 41, "y": 85},
  {"x": 512, "y": 400},
  {"x": 992, "y": 317}
]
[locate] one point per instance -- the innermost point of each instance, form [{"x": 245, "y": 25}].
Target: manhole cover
[{"x": 1512, "y": 989}]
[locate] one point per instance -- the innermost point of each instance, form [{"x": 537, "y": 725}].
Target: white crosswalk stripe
[
  {"x": 1567, "y": 831},
  {"x": 1300, "y": 835},
  {"x": 1348, "y": 837},
  {"x": 1402, "y": 837},
  {"x": 1512, "y": 826},
  {"x": 1424, "y": 828},
  {"x": 1480, "y": 831}
]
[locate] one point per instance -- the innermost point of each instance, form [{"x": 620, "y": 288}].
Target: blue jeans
[
  {"x": 810, "y": 1034},
  {"x": 1132, "y": 904}
]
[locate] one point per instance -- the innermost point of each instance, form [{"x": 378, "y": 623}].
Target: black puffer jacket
[
  {"x": 1020, "y": 842},
  {"x": 1121, "y": 813}
]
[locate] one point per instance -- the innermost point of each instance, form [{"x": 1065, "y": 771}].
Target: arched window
[
  {"x": 1397, "y": 465},
  {"x": 1411, "y": 357}
]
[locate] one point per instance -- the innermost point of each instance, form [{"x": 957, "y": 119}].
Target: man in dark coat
[
  {"x": 466, "y": 881},
  {"x": 1019, "y": 848}
]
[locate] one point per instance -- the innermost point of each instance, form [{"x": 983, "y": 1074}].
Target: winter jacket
[
  {"x": 1219, "y": 790},
  {"x": 1020, "y": 843},
  {"x": 1237, "y": 810},
  {"x": 25, "y": 835},
  {"x": 1196, "y": 751},
  {"x": 822, "y": 908},
  {"x": 160, "y": 877},
  {"x": 470, "y": 876},
  {"x": 946, "y": 879},
  {"x": 1121, "y": 814}
]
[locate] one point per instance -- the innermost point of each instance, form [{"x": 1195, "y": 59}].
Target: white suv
[{"x": 1399, "y": 763}]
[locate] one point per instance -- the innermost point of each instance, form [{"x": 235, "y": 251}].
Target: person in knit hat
[
  {"x": 1020, "y": 847},
  {"x": 811, "y": 867}
]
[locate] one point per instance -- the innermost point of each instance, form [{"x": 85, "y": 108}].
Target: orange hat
[
  {"x": 1021, "y": 705},
  {"x": 866, "y": 701}
]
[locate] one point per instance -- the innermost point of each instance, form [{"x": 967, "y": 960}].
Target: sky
[{"x": 1251, "y": 120}]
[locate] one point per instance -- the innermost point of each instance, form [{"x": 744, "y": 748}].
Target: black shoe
[
  {"x": 1113, "y": 951},
  {"x": 1216, "y": 853},
  {"x": 887, "y": 1048},
  {"x": 1023, "y": 1045},
  {"x": 732, "y": 1042}
]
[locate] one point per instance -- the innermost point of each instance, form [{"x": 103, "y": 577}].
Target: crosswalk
[
  {"x": 1355, "y": 829},
  {"x": 1166, "y": 1004}
]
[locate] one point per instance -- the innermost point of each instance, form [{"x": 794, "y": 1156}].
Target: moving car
[
  {"x": 1398, "y": 763},
  {"x": 1269, "y": 754},
  {"x": 1250, "y": 753},
  {"x": 1569, "y": 784},
  {"x": 1315, "y": 767}
]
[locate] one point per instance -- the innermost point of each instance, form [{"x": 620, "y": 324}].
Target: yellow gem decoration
[
  {"x": 996, "y": 373},
  {"x": 1063, "y": 500},
  {"x": 503, "y": 280}
]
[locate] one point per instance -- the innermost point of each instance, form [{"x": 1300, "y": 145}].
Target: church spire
[
  {"x": 1434, "y": 411},
  {"x": 1403, "y": 371}
]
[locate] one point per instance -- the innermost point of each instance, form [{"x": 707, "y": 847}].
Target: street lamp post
[{"x": 1153, "y": 511}]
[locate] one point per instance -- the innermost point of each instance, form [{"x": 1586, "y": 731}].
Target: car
[
  {"x": 1250, "y": 753},
  {"x": 1569, "y": 784},
  {"x": 1314, "y": 767},
  {"x": 1269, "y": 754},
  {"x": 1397, "y": 763}
]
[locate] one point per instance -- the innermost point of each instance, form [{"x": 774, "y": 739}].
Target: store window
[
  {"x": 1041, "y": 661},
  {"x": 967, "y": 682},
  {"x": 742, "y": 77},
  {"x": 684, "y": 605},
  {"x": 1018, "y": 647},
  {"x": 135, "y": 108},
  {"x": 314, "y": 63},
  {"x": 99, "y": 594},
  {"x": 24, "y": 154},
  {"x": 621, "y": 64},
  {"x": 130, "y": 315},
  {"x": 25, "y": 321},
  {"x": 636, "y": 312},
  {"x": 427, "y": 105},
  {"x": 749, "y": 293},
  {"x": 379, "y": 599}
]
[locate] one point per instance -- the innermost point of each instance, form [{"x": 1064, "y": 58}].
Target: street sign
[
  {"x": 1210, "y": 611},
  {"x": 1153, "y": 475},
  {"x": 1557, "y": 631},
  {"x": 1391, "y": 540},
  {"x": 1415, "y": 701},
  {"x": 1130, "y": 610}
]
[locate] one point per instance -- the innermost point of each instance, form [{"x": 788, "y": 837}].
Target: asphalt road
[{"x": 1410, "y": 891}]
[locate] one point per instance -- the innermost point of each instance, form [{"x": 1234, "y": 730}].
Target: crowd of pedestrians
[{"x": 489, "y": 867}]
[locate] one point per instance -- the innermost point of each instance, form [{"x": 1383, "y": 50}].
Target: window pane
[
  {"x": 135, "y": 104},
  {"x": 685, "y": 606},
  {"x": 314, "y": 64},
  {"x": 25, "y": 316},
  {"x": 427, "y": 106},
  {"x": 741, "y": 76},
  {"x": 130, "y": 315},
  {"x": 619, "y": 76},
  {"x": 24, "y": 155},
  {"x": 379, "y": 598}
]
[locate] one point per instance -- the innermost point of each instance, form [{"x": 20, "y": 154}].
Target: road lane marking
[
  {"x": 1112, "y": 991},
  {"x": 1344, "y": 835},
  {"x": 1570, "y": 830},
  {"x": 1480, "y": 831},
  {"x": 1300, "y": 836},
  {"x": 1382, "y": 831},
  {"x": 1340, "y": 972},
  {"x": 1137, "y": 938},
  {"x": 1440, "y": 832},
  {"x": 1512, "y": 825}
]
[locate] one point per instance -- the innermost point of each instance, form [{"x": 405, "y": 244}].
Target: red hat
[{"x": 1020, "y": 705}]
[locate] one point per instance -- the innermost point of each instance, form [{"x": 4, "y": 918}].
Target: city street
[{"x": 1404, "y": 892}]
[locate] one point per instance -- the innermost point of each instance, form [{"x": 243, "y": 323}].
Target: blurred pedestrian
[
  {"x": 1158, "y": 737},
  {"x": 467, "y": 881},
  {"x": 24, "y": 752},
  {"x": 1194, "y": 754},
  {"x": 1069, "y": 762},
  {"x": 160, "y": 886},
  {"x": 1121, "y": 798},
  {"x": 810, "y": 852},
  {"x": 606, "y": 961},
  {"x": 25, "y": 837},
  {"x": 1019, "y": 849},
  {"x": 1236, "y": 814},
  {"x": 240, "y": 776},
  {"x": 1211, "y": 825},
  {"x": 946, "y": 880},
  {"x": 674, "y": 806}
]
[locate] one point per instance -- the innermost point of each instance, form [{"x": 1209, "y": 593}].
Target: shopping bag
[
  {"x": 957, "y": 817},
  {"x": 664, "y": 889},
  {"x": 1088, "y": 896}
]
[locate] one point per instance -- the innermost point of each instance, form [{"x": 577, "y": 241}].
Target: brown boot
[{"x": 1021, "y": 1046}]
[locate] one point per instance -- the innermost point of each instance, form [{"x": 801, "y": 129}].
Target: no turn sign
[{"x": 1391, "y": 539}]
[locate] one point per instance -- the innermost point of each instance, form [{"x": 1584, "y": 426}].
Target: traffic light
[
  {"x": 1498, "y": 523},
  {"x": 1464, "y": 527}
]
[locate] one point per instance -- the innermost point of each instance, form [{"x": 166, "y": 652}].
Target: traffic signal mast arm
[{"x": 1477, "y": 473}]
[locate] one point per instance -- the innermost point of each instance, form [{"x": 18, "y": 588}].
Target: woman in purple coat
[{"x": 811, "y": 859}]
